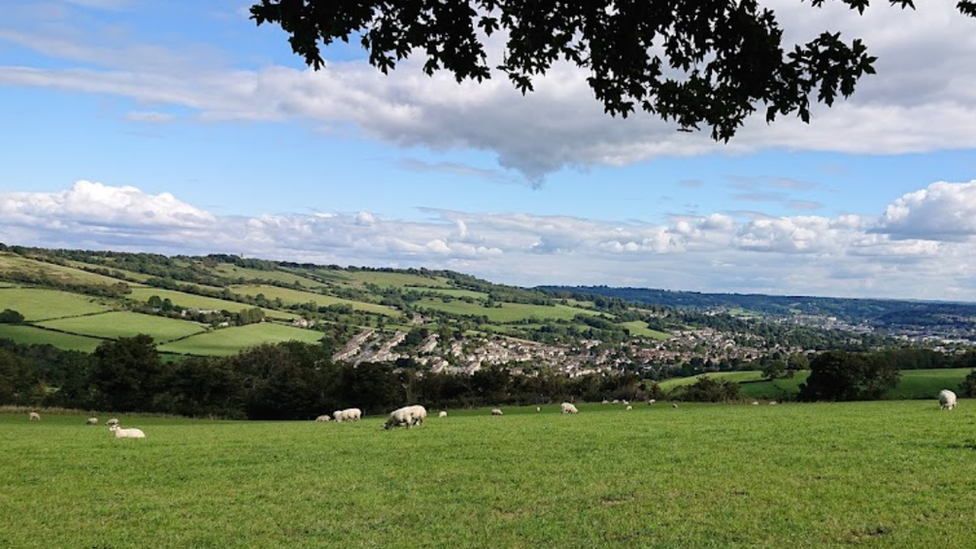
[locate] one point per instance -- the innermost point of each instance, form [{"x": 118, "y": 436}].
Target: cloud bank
[
  {"x": 923, "y": 99},
  {"x": 920, "y": 245}
]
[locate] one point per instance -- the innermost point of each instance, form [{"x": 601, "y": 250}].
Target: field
[
  {"x": 228, "y": 341},
  {"x": 12, "y": 263},
  {"x": 639, "y": 328},
  {"x": 201, "y": 302},
  {"x": 508, "y": 312},
  {"x": 39, "y": 304},
  {"x": 290, "y": 297},
  {"x": 895, "y": 474},
  {"x": 233, "y": 271},
  {"x": 125, "y": 324},
  {"x": 30, "y": 335}
]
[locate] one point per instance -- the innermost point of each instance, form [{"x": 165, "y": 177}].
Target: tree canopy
[{"x": 705, "y": 63}]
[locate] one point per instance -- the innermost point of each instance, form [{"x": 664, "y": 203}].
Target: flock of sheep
[{"x": 411, "y": 416}]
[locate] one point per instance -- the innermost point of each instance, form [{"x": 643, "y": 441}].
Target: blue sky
[{"x": 179, "y": 127}]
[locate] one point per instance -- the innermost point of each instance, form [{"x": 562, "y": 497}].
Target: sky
[{"x": 180, "y": 127}]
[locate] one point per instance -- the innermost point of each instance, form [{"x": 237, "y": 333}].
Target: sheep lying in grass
[
  {"x": 947, "y": 399},
  {"x": 538, "y": 409},
  {"x": 568, "y": 408},
  {"x": 496, "y": 412},
  {"x": 442, "y": 414},
  {"x": 34, "y": 416},
  {"x": 126, "y": 433},
  {"x": 91, "y": 421},
  {"x": 112, "y": 422},
  {"x": 408, "y": 416},
  {"x": 323, "y": 418},
  {"x": 628, "y": 408}
]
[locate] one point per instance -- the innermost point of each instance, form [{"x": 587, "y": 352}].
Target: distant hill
[{"x": 899, "y": 317}]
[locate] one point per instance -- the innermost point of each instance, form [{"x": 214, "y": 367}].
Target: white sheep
[
  {"x": 112, "y": 422},
  {"x": 538, "y": 409},
  {"x": 675, "y": 405},
  {"x": 323, "y": 418},
  {"x": 126, "y": 433},
  {"x": 34, "y": 416},
  {"x": 568, "y": 408},
  {"x": 408, "y": 416},
  {"x": 625, "y": 403},
  {"x": 947, "y": 399},
  {"x": 91, "y": 421},
  {"x": 605, "y": 401},
  {"x": 496, "y": 412},
  {"x": 652, "y": 401},
  {"x": 755, "y": 403},
  {"x": 349, "y": 414},
  {"x": 628, "y": 408},
  {"x": 442, "y": 414},
  {"x": 773, "y": 403}
]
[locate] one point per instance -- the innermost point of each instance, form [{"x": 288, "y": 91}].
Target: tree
[
  {"x": 10, "y": 316},
  {"x": 839, "y": 375},
  {"x": 127, "y": 373},
  {"x": 711, "y": 62},
  {"x": 968, "y": 387}
]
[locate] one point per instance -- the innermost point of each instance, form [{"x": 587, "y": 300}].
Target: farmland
[
  {"x": 31, "y": 335},
  {"x": 506, "y": 312},
  {"x": 41, "y": 304},
  {"x": 294, "y": 297},
  {"x": 123, "y": 324},
  {"x": 895, "y": 474},
  {"x": 227, "y": 341},
  {"x": 186, "y": 300}
]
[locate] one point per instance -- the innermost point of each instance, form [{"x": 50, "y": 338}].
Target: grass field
[
  {"x": 39, "y": 304},
  {"x": 640, "y": 328},
  {"x": 228, "y": 341},
  {"x": 233, "y": 271},
  {"x": 201, "y": 302},
  {"x": 399, "y": 280},
  {"x": 928, "y": 383},
  {"x": 894, "y": 474},
  {"x": 12, "y": 263},
  {"x": 508, "y": 312},
  {"x": 291, "y": 297},
  {"x": 125, "y": 324},
  {"x": 30, "y": 335}
]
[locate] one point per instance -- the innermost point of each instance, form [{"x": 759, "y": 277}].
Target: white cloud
[
  {"x": 923, "y": 99},
  {"x": 847, "y": 255},
  {"x": 941, "y": 211}
]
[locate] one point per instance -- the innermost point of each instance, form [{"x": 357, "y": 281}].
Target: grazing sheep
[
  {"x": 568, "y": 408},
  {"x": 323, "y": 418},
  {"x": 126, "y": 433},
  {"x": 675, "y": 405},
  {"x": 538, "y": 409},
  {"x": 34, "y": 416},
  {"x": 605, "y": 401},
  {"x": 947, "y": 399},
  {"x": 624, "y": 402},
  {"x": 408, "y": 416},
  {"x": 629, "y": 408},
  {"x": 755, "y": 403},
  {"x": 652, "y": 401},
  {"x": 773, "y": 403},
  {"x": 349, "y": 414},
  {"x": 442, "y": 414},
  {"x": 91, "y": 421},
  {"x": 112, "y": 422},
  {"x": 615, "y": 401},
  {"x": 496, "y": 412}
]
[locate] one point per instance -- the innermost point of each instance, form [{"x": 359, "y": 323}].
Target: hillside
[{"x": 432, "y": 320}]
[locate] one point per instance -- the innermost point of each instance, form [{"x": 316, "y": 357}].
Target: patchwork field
[
  {"x": 292, "y": 297},
  {"x": 40, "y": 304},
  {"x": 15, "y": 264},
  {"x": 30, "y": 335},
  {"x": 228, "y": 341},
  {"x": 894, "y": 474},
  {"x": 508, "y": 312},
  {"x": 125, "y": 324},
  {"x": 201, "y": 302},
  {"x": 639, "y": 328}
]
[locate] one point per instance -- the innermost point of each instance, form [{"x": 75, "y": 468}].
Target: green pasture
[
  {"x": 11, "y": 263},
  {"x": 228, "y": 341},
  {"x": 42, "y": 304},
  {"x": 454, "y": 292},
  {"x": 734, "y": 377},
  {"x": 194, "y": 301},
  {"x": 32, "y": 335},
  {"x": 639, "y": 328},
  {"x": 294, "y": 297},
  {"x": 928, "y": 383},
  {"x": 508, "y": 312},
  {"x": 893, "y": 475},
  {"x": 395, "y": 280},
  {"x": 233, "y": 271},
  {"x": 125, "y": 324}
]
